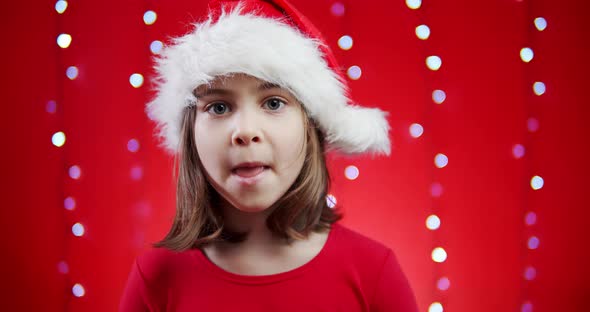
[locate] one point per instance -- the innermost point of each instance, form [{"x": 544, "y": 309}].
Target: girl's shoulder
[
  {"x": 357, "y": 238},
  {"x": 351, "y": 241},
  {"x": 156, "y": 263}
]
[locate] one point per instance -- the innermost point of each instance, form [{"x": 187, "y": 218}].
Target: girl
[{"x": 250, "y": 101}]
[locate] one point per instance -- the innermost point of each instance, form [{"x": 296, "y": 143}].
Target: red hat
[{"x": 274, "y": 42}]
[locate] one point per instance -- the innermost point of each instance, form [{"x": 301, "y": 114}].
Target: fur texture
[{"x": 273, "y": 51}]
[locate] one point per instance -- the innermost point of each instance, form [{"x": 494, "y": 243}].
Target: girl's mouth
[
  {"x": 249, "y": 176},
  {"x": 249, "y": 172}
]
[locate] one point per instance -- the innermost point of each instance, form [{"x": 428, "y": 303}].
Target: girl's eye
[
  {"x": 217, "y": 108},
  {"x": 274, "y": 103}
]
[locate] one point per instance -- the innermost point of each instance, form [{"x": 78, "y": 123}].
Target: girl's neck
[{"x": 259, "y": 235}]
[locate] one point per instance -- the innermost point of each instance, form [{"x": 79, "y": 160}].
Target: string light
[
  {"x": 58, "y": 139},
  {"x": 74, "y": 172},
  {"x": 433, "y": 62},
  {"x": 518, "y": 151},
  {"x": 414, "y": 4},
  {"x": 136, "y": 173},
  {"x": 63, "y": 267},
  {"x": 533, "y": 242},
  {"x": 526, "y": 54},
  {"x": 149, "y": 17},
  {"x": 78, "y": 290},
  {"x": 439, "y": 96},
  {"x": 133, "y": 145},
  {"x": 423, "y": 32},
  {"x": 539, "y": 88},
  {"x": 529, "y": 273},
  {"x": 540, "y": 23},
  {"x": 530, "y": 218},
  {"x": 436, "y": 189},
  {"x": 331, "y": 201},
  {"x": 354, "y": 72},
  {"x": 51, "y": 107},
  {"x": 439, "y": 255},
  {"x": 433, "y": 222},
  {"x": 345, "y": 42},
  {"x": 532, "y": 124},
  {"x": 61, "y": 6},
  {"x": 69, "y": 203},
  {"x": 72, "y": 72},
  {"x": 337, "y": 9},
  {"x": 441, "y": 160},
  {"x": 136, "y": 80},
  {"x": 537, "y": 183},
  {"x": 156, "y": 46},
  {"x": 78, "y": 229},
  {"x": 443, "y": 283},
  {"x": 64, "y": 40},
  {"x": 527, "y": 306},
  {"x": 351, "y": 172},
  {"x": 435, "y": 307},
  {"x": 416, "y": 130}
]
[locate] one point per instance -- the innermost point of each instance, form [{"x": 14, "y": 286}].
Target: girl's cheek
[
  {"x": 293, "y": 135},
  {"x": 207, "y": 123}
]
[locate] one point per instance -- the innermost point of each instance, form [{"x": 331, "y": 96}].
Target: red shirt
[{"x": 351, "y": 273}]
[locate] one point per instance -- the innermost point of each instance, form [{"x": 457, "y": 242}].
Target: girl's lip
[
  {"x": 250, "y": 180},
  {"x": 248, "y": 172},
  {"x": 249, "y": 165}
]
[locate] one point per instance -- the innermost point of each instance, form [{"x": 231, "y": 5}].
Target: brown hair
[{"x": 198, "y": 221}]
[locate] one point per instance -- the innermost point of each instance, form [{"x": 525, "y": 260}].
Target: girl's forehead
[
  {"x": 232, "y": 80},
  {"x": 235, "y": 82}
]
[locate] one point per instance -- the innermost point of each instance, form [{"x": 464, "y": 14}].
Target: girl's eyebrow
[{"x": 220, "y": 91}]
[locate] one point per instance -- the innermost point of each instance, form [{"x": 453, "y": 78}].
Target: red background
[{"x": 486, "y": 190}]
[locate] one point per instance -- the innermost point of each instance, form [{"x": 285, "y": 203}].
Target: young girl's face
[{"x": 244, "y": 119}]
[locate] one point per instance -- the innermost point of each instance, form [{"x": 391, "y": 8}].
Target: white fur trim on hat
[{"x": 273, "y": 51}]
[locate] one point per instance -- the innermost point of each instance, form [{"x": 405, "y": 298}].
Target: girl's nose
[
  {"x": 245, "y": 138},
  {"x": 247, "y": 129}
]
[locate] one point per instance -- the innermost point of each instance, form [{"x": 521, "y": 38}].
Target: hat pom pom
[{"x": 358, "y": 130}]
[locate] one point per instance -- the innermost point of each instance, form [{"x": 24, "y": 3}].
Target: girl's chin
[
  {"x": 254, "y": 209},
  {"x": 247, "y": 203}
]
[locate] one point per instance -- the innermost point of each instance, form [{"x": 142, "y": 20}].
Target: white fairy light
[
  {"x": 537, "y": 183},
  {"x": 433, "y": 222},
  {"x": 345, "y": 42},
  {"x": 416, "y": 130},
  {"x": 61, "y": 6},
  {"x": 136, "y": 80},
  {"x": 78, "y": 290},
  {"x": 526, "y": 54},
  {"x": 149, "y": 17},
  {"x": 433, "y": 62},
  {"x": 439, "y": 96},
  {"x": 439, "y": 254},
  {"x": 435, "y": 307},
  {"x": 441, "y": 160},
  {"x": 540, "y": 23},
  {"x": 64, "y": 40},
  {"x": 354, "y": 72},
  {"x": 414, "y": 4},
  {"x": 539, "y": 88},
  {"x": 58, "y": 139},
  {"x": 423, "y": 32}
]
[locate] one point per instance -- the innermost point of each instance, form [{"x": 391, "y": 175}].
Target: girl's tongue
[{"x": 248, "y": 172}]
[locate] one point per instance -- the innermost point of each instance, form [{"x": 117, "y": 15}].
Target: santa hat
[{"x": 272, "y": 41}]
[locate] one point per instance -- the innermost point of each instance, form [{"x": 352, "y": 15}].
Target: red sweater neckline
[{"x": 202, "y": 259}]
